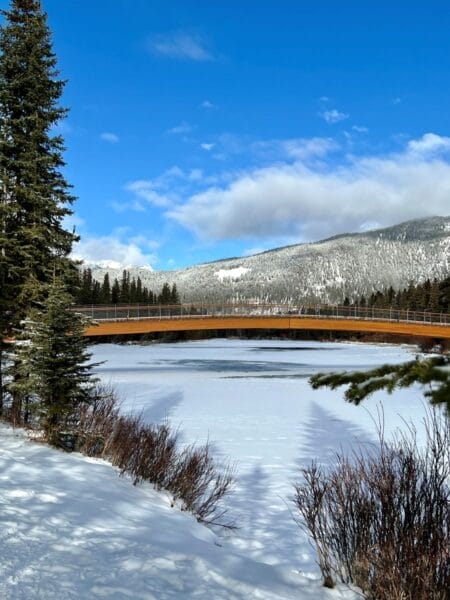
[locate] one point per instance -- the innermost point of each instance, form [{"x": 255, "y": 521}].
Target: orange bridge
[{"x": 127, "y": 319}]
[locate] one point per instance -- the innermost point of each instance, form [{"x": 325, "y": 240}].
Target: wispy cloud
[
  {"x": 134, "y": 206},
  {"x": 109, "y": 137},
  {"x": 396, "y": 101},
  {"x": 299, "y": 149},
  {"x": 180, "y": 45},
  {"x": 311, "y": 201},
  {"x": 180, "y": 129},
  {"x": 207, "y": 147},
  {"x": 360, "y": 129},
  {"x": 334, "y": 116},
  {"x": 147, "y": 190},
  {"x": 207, "y": 104}
]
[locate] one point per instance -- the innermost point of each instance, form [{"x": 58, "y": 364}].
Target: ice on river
[{"x": 252, "y": 402}]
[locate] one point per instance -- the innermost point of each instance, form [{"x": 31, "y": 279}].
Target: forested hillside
[{"x": 351, "y": 266}]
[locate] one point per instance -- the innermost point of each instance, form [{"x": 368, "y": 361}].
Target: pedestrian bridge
[{"x": 129, "y": 319}]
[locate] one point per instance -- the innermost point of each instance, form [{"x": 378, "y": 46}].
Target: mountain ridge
[{"x": 328, "y": 270}]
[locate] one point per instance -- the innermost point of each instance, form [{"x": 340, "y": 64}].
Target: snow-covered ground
[{"x": 71, "y": 528}]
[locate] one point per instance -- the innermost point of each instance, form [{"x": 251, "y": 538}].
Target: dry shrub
[
  {"x": 381, "y": 519},
  {"x": 97, "y": 420},
  {"x": 198, "y": 483},
  {"x": 155, "y": 455},
  {"x": 151, "y": 453}
]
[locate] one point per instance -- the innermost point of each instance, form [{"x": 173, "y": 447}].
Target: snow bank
[{"x": 71, "y": 528}]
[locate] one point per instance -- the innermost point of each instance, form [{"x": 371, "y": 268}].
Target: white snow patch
[{"x": 231, "y": 274}]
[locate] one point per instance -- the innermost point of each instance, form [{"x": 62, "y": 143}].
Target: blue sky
[{"x": 201, "y": 130}]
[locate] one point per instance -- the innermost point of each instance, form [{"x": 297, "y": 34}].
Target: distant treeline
[
  {"x": 128, "y": 289},
  {"x": 431, "y": 295}
]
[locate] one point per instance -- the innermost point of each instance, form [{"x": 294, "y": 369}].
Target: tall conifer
[{"x": 34, "y": 195}]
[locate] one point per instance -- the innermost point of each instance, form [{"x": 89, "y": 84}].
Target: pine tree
[
  {"x": 174, "y": 297},
  {"x": 34, "y": 195},
  {"x": 52, "y": 364},
  {"x": 125, "y": 287},
  {"x": 115, "y": 292},
  {"x": 140, "y": 296},
  {"x": 106, "y": 290},
  {"x": 165, "y": 295}
]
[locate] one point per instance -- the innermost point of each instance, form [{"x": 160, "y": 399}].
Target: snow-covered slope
[
  {"x": 72, "y": 529},
  {"x": 346, "y": 265}
]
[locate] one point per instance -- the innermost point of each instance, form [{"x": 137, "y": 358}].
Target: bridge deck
[{"x": 193, "y": 323}]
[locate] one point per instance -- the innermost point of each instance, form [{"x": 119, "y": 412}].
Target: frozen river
[{"x": 252, "y": 402}]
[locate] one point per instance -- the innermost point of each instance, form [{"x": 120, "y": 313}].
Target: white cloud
[
  {"x": 145, "y": 189},
  {"x": 208, "y": 104},
  {"x": 312, "y": 202},
  {"x": 121, "y": 207},
  {"x": 303, "y": 149},
  {"x": 112, "y": 138},
  {"x": 181, "y": 128},
  {"x": 162, "y": 191},
  {"x": 180, "y": 45},
  {"x": 297, "y": 149},
  {"x": 360, "y": 129},
  {"x": 430, "y": 143},
  {"x": 111, "y": 249},
  {"x": 195, "y": 175},
  {"x": 207, "y": 147},
  {"x": 334, "y": 116}
]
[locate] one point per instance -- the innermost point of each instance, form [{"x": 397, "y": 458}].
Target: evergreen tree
[
  {"x": 53, "y": 364},
  {"x": 139, "y": 291},
  {"x": 444, "y": 295},
  {"x": 125, "y": 287},
  {"x": 34, "y": 195},
  {"x": 174, "y": 297},
  {"x": 434, "y": 296},
  {"x": 105, "y": 295},
  {"x": 133, "y": 291},
  {"x": 86, "y": 287},
  {"x": 96, "y": 297},
  {"x": 165, "y": 295},
  {"x": 115, "y": 292}
]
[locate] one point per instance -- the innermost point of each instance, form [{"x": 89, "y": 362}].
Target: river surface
[{"x": 250, "y": 399}]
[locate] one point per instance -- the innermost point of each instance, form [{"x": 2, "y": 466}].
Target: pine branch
[{"x": 433, "y": 371}]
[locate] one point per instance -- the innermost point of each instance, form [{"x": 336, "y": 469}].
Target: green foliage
[
  {"x": 127, "y": 290},
  {"x": 34, "y": 196},
  {"x": 431, "y": 295},
  {"x": 433, "y": 372},
  {"x": 52, "y": 363}
]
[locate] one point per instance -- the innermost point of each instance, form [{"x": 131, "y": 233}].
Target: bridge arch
[{"x": 135, "y": 319}]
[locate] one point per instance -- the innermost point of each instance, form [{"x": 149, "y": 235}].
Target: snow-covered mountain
[{"x": 345, "y": 265}]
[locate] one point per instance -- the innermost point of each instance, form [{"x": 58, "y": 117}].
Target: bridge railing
[{"x": 119, "y": 312}]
